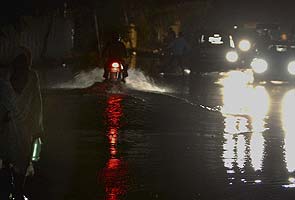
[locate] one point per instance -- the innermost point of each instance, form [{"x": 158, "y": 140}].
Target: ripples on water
[
  {"x": 164, "y": 145},
  {"x": 258, "y": 133},
  {"x": 255, "y": 148}
]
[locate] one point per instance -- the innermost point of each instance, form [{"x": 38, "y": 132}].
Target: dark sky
[
  {"x": 223, "y": 11},
  {"x": 260, "y": 10},
  {"x": 244, "y": 11}
]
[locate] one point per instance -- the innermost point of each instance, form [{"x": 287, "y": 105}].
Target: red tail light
[{"x": 115, "y": 65}]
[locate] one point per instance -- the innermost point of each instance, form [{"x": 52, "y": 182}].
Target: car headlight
[
  {"x": 244, "y": 45},
  {"x": 259, "y": 65},
  {"x": 232, "y": 56},
  {"x": 291, "y": 67}
]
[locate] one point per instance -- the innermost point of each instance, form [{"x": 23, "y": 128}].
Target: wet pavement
[{"x": 208, "y": 136}]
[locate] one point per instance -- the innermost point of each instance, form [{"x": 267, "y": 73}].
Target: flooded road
[{"x": 214, "y": 136}]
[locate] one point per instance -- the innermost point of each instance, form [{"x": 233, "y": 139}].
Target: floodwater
[{"x": 211, "y": 136}]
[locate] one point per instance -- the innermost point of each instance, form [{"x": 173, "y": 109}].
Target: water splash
[
  {"x": 83, "y": 79},
  {"x": 138, "y": 81}
]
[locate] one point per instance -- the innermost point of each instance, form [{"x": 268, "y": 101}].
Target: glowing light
[
  {"x": 288, "y": 116},
  {"x": 115, "y": 172},
  {"x": 232, "y": 56},
  {"x": 277, "y": 82},
  {"x": 246, "y": 101},
  {"x": 241, "y": 151},
  {"x": 228, "y": 152},
  {"x": 257, "y": 151},
  {"x": 244, "y": 45},
  {"x": 289, "y": 186},
  {"x": 187, "y": 71},
  {"x": 245, "y": 109},
  {"x": 36, "y": 149},
  {"x": 292, "y": 180},
  {"x": 230, "y": 171},
  {"x": 259, "y": 65},
  {"x": 235, "y": 124},
  {"x": 216, "y": 39},
  {"x": 291, "y": 67},
  {"x": 236, "y": 78},
  {"x": 115, "y": 64}
]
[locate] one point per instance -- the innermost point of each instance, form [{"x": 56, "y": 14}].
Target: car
[
  {"x": 245, "y": 38},
  {"x": 249, "y": 37},
  {"x": 276, "y": 62},
  {"x": 217, "y": 51}
]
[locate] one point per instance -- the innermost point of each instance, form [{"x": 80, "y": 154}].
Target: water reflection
[
  {"x": 115, "y": 172},
  {"x": 288, "y": 116},
  {"x": 245, "y": 109},
  {"x": 257, "y": 150}
]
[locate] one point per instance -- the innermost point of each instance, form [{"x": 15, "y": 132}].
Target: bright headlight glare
[
  {"x": 291, "y": 67},
  {"x": 244, "y": 45},
  {"x": 259, "y": 65},
  {"x": 232, "y": 56},
  {"x": 187, "y": 71}
]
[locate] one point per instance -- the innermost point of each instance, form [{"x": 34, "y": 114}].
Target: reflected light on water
[
  {"x": 288, "y": 116},
  {"x": 235, "y": 124},
  {"x": 292, "y": 180},
  {"x": 115, "y": 172},
  {"x": 241, "y": 151},
  {"x": 245, "y": 109},
  {"x": 228, "y": 153},
  {"x": 257, "y": 150}
]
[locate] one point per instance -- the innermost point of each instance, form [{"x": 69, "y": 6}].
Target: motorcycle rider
[{"x": 115, "y": 50}]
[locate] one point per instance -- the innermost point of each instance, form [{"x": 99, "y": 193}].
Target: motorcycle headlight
[
  {"x": 232, "y": 56},
  {"x": 259, "y": 65},
  {"x": 291, "y": 67},
  {"x": 244, "y": 45}
]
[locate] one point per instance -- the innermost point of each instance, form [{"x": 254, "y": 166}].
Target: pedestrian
[
  {"x": 170, "y": 37},
  {"x": 25, "y": 82},
  {"x": 10, "y": 140},
  {"x": 178, "y": 48}
]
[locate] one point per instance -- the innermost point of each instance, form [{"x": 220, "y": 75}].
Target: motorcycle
[{"x": 116, "y": 71}]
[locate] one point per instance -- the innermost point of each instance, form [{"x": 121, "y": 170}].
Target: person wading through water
[
  {"x": 25, "y": 83},
  {"x": 10, "y": 135}
]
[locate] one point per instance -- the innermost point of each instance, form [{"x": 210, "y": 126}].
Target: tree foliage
[{"x": 149, "y": 16}]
